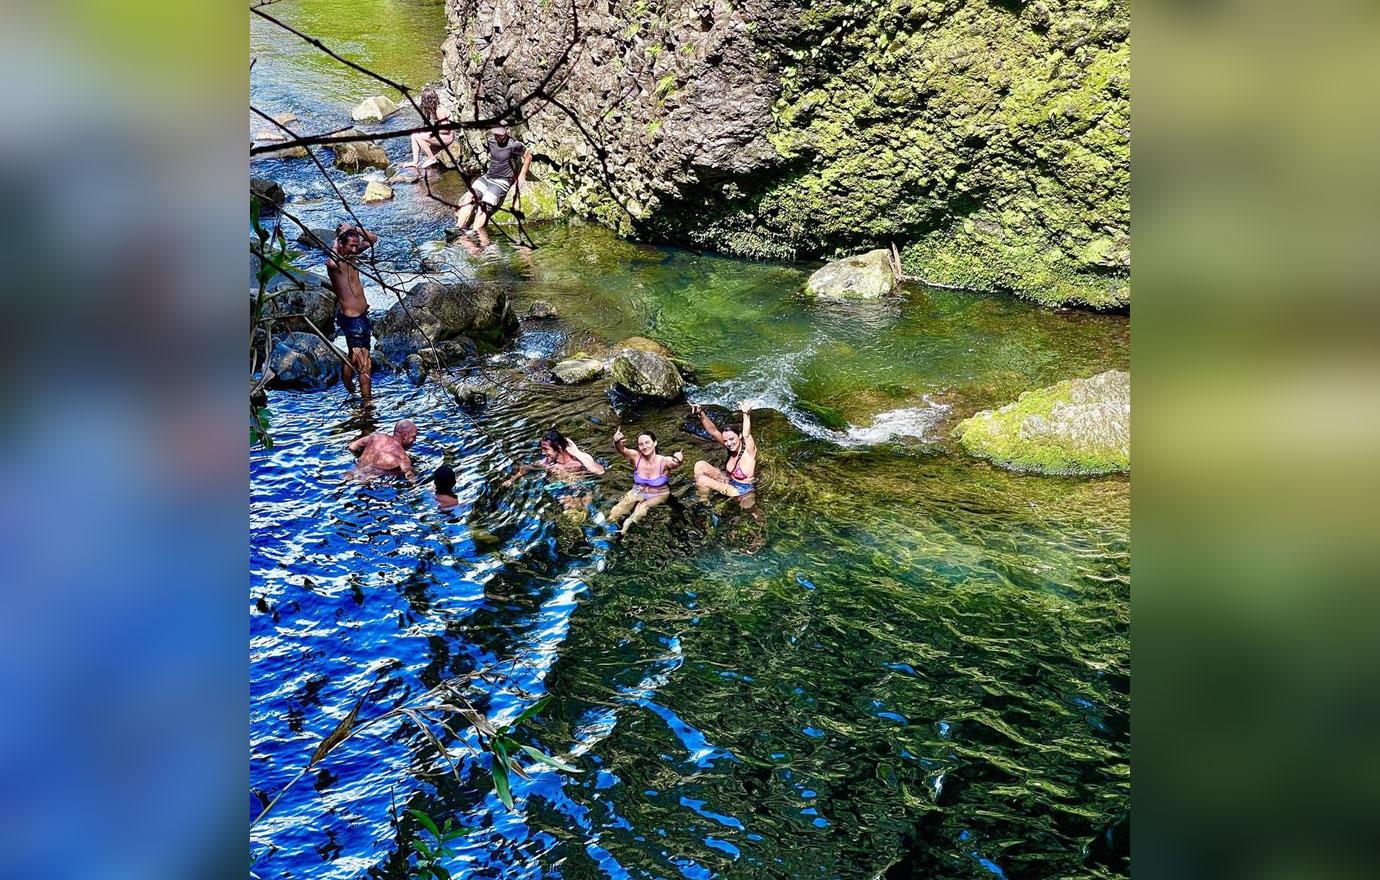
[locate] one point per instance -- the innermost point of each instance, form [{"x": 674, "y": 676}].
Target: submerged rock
[
  {"x": 304, "y": 362},
  {"x": 1078, "y": 426},
  {"x": 416, "y": 369},
  {"x": 646, "y": 374},
  {"x": 374, "y": 109},
  {"x": 578, "y": 370},
  {"x": 865, "y": 276},
  {"x": 295, "y": 151},
  {"x": 377, "y": 192}
]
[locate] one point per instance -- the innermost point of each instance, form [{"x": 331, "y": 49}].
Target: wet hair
[
  {"x": 556, "y": 439},
  {"x": 428, "y": 104},
  {"x": 647, "y": 434},
  {"x": 444, "y": 478},
  {"x": 348, "y": 235}
]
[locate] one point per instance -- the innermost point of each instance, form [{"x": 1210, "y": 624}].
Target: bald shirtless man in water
[
  {"x": 385, "y": 454},
  {"x": 351, "y": 309}
]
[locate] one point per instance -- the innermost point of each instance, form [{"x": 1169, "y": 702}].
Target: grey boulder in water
[
  {"x": 375, "y": 108},
  {"x": 1078, "y": 426},
  {"x": 865, "y": 276},
  {"x": 358, "y": 155},
  {"x": 646, "y": 374},
  {"x": 304, "y": 362},
  {"x": 575, "y": 371}
]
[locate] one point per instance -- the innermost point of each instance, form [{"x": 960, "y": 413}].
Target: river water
[{"x": 901, "y": 660}]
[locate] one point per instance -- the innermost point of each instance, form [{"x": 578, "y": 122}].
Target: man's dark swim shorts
[{"x": 356, "y": 329}]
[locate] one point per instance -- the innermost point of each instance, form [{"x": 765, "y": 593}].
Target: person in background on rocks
[
  {"x": 424, "y": 141},
  {"x": 736, "y": 480},
  {"x": 351, "y": 308},
  {"x": 651, "y": 474},
  {"x": 509, "y": 160},
  {"x": 559, "y": 456},
  {"x": 444, "y": 480},
  {"x": 385, "y": 454}
]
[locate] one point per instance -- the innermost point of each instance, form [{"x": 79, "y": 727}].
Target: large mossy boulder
[
  {"x": 1078, "y": 426},
  {"x": 646, "y": 374},
  {"x": 375, "y": 108},
  {"x": 444, "y": 312},
  {"x": 303, "y": 362},
  {"x": 865, "y": 276}
]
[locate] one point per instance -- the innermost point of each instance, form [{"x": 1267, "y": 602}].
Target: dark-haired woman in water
[
  {"x": 651, "y": 476},
  {"x": 425, "y": 141},
  {"x": 559, "y": 456}
]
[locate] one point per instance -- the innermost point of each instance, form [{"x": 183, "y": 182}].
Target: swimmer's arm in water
[
  {"x": 627, "y": 453},
  {"x": 407, "y": 468},
  {"x": 357, "y": 447},
  {"x": 707, "y": 423},
  {"x": 583, "y": 457}
]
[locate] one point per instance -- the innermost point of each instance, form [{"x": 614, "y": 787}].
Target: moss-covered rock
[
  {"x": 1078, "y": 426},
  {"x": 989, "y": 140},
  {"x": 864, "y": 276},
  {"x": 646, "y": 374}
]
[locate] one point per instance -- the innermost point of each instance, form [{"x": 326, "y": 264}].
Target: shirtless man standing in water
[
  {"x": 351, "y": 309},
  {"x": 385, "y": 454}
]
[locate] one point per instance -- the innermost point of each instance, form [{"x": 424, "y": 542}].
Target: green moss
[
  {"x": 970, "y": 135},
  {"x": 996, "y": 435}
]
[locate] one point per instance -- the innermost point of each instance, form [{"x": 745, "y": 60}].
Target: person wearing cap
[{"x": 509, "y": 160}]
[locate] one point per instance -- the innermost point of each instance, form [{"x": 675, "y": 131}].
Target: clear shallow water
[{"x": 902, "y": 660}]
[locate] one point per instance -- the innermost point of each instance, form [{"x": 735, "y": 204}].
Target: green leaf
[
  {"x": 529, "y": 712},
  {"x": 421, "y": 847},
  {"x": 500, "y": 774},
  {"x": 547, "y": 759},
  {"x": 440, "y": 872},
  {"x": 427, "y": 823}
]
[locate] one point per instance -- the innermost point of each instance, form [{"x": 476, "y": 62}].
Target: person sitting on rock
[
  {"x": 351, "y": 308},
  {"x": 559, "y": 455},
  {"x": 736, "y": 480},
  {"x": 651, "y": 474},
  {"x": 425, "y": 141},
  {"x": 487, "y": 192},
  {"x": 444, "y": 480},
  {"x": 385, "y": 454}
]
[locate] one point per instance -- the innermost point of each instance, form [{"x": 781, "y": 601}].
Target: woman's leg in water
[
  {"x": 624, "y": 505},
  {"x": 709, "y": 479},
  {"x": 642, "y": 509}
]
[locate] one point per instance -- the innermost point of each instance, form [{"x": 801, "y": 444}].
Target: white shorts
[{"x": 491, "y": 190}]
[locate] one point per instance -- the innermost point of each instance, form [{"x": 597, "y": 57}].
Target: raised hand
[
  {"x": 617, "y": 435},
  {"x": 745, "y": 406},
  {"x": 679, "y": 456}
]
